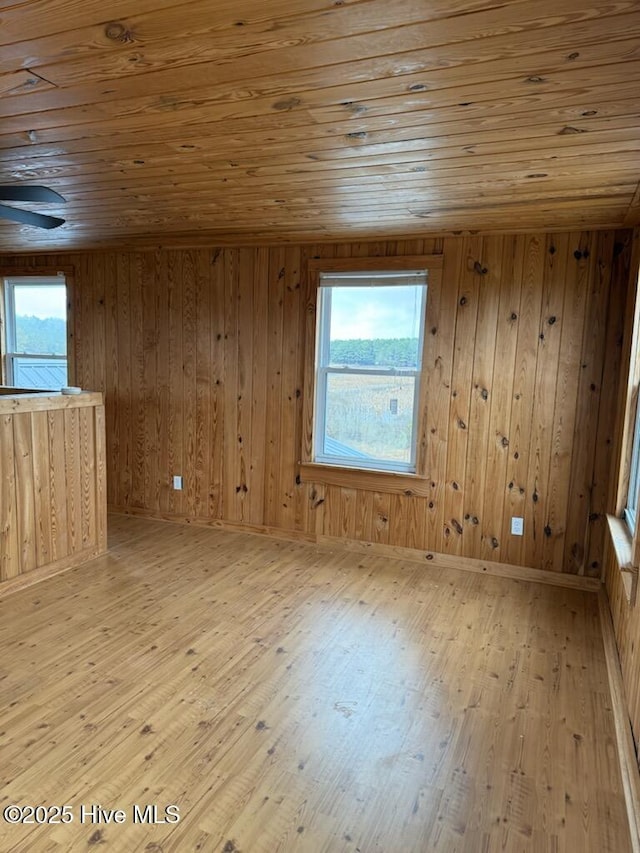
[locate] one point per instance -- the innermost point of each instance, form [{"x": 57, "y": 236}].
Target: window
[
  {"x": 631, "y": 508},
  {"x": 629, "y": 475},
  {"x": 623, "y": 524},
  {"x": 36, "y": 332},
  {"x": 368, "y": 366}
]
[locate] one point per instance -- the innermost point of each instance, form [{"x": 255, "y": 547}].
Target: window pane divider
[{"x": 363, "y": 371}]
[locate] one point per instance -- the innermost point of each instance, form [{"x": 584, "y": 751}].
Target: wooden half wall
[
  {"x": 200, "y": 356},
  {"x": 52, "y": 484}
]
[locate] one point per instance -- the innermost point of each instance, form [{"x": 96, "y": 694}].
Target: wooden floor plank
[{"x": 289, "y": 696}]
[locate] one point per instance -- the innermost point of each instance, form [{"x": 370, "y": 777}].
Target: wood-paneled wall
[
  {"x": 52, "y": 483},
  {"x": 200, "y": 355},
  {"x": 626, "y": 623}
]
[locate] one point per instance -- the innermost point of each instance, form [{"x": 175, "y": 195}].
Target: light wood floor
[{"x": 295, "y": 698}]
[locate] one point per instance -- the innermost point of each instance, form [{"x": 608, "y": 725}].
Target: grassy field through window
[{"x": 371, "y": 414}]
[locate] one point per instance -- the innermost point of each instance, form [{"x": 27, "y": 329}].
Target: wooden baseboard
[
  {"x": 624, "y": 738},
  {"x": 430, "y": 558},
  {"x": 217, "y": 524},
  {"x": 50, "y": 570},
  {"x": 466, "y": 564}
]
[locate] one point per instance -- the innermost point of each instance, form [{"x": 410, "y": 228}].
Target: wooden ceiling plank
[
  {"x": 534, "y": 16},
  {"x": 422, "y": 208},
  {"x": 162, "y": 83},
  {"x": 409, "y": 88},
  {"x": 20, "y": 83},
  {"x": 223, "y": 215},
  {"x": 514, "y": 47},
  {"x": 244, "y": 121},
  {"x": 254, "y": 234},
  {"x": 415, "y": 163},
  {"x": 481, "y": 100},
  {"x": 254, "y": 21},
  {"x": 503, "y": 137},
  {"x": 520, "y": 215},
  {"x": 425, "y": 158}
]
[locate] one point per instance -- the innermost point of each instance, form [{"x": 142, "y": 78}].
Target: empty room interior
[{"x": 319, "y": 426}]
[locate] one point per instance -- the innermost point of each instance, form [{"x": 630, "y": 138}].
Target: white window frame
[
  {"x": 631, "y": 507},
  {"x": 328, "y": 282},
  {"x": 11, "y": 353}
]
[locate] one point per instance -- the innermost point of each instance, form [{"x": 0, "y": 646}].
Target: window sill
[
  {"x": 623, "y": 548},
  {"x": 392, "y": 482}
]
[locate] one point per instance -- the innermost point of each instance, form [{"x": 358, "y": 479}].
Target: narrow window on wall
[
  {"x": 631, "y": 509},
  {"x": 36, "y": 332},
  {"x": 633, "y": 439},
  {"x": 631, "y": 504},
  {"x": 368, "y": 365}
]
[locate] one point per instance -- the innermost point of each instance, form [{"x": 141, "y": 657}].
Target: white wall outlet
[
  {"x": 177, "y": 482},
  {"x": 517, "y": 526}
]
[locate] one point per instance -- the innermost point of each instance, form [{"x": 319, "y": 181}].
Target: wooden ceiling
[{"x": 247, "y": 121}]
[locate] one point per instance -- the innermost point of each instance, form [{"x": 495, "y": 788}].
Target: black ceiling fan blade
[
  {"x": 29, "y": 193},
  {"x": 29, "y": 218}
]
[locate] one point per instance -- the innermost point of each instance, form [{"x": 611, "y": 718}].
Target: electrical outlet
[
  {"x": 517, "y": 526},
  {"x": 177, "y": 482}
]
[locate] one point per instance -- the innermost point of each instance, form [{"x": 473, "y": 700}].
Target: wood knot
[{"x": 118, "y": 32}]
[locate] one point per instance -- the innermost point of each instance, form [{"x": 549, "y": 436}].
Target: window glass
[{"x": 41, "y": 319}]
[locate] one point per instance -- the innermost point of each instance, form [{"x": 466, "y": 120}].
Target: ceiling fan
[{"x": 32, "y": 193}]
